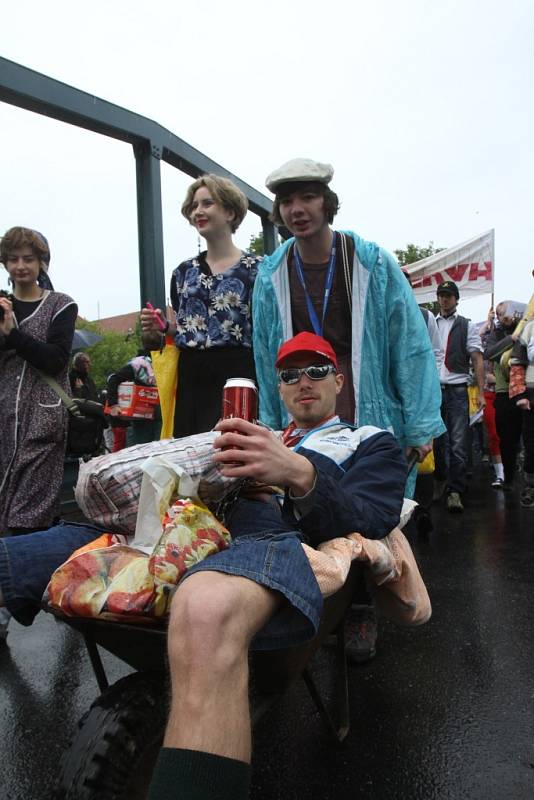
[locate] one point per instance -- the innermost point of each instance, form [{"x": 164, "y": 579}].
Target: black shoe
[
  {"x": 361, "y": 628},
  {"x": 422, "y": 521}
]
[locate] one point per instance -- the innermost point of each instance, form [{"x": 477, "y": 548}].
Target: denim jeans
[
  {"x": 27, "y": 562},
  {"x": 451, "y": 449}
]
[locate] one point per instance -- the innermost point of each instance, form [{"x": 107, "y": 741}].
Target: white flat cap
[{"x": 299, "y": 170}]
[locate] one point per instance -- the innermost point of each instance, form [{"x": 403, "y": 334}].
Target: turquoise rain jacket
[{"x": 396, "y": 384}]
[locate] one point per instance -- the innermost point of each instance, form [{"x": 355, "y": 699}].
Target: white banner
[{"x": 470, "y": 265}]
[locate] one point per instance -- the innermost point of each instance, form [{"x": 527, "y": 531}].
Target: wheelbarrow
[{"x": 113, "y": 754}]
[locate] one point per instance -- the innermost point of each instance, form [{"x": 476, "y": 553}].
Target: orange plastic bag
[{"x": 121, "y": 582}]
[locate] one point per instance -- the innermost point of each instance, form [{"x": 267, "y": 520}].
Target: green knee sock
[{"x": 194, "y": 775}]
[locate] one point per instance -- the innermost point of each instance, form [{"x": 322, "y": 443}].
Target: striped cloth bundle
[{"x": 108, "y": 487}]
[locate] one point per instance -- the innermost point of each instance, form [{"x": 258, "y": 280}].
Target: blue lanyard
[{"x": 327, "y": 289}]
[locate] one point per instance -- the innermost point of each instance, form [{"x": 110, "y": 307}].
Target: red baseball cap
[{"x": 306, "y": 343}]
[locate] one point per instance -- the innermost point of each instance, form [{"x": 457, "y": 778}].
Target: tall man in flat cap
[{"x": 353, "y": 293}]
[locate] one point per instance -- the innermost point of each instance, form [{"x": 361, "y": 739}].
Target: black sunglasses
[{"x": 317, "y": 372}]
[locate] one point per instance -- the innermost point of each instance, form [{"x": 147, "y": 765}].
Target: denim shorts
[
  {"x": 269, "y": 551},
  {"x": 28, "y": 561}
]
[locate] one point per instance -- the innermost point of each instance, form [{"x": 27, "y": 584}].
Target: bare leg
[{"x": 213, "y": 619}]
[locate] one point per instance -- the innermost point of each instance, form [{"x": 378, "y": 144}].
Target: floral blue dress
[
  {"x": 213, "y": 310},
  {"x": 214, "y": 336}
]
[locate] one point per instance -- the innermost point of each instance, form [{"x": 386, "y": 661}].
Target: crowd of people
[{"x": 353, "y": 372}]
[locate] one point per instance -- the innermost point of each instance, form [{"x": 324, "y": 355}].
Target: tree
[
  {"x": 256, "y": 245},
  {"x": 86, "y": 325},
  {"x": 111, "y": 353},
  {"x": 413, "y": 253}
]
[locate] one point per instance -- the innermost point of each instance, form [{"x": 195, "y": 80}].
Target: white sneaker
[
  {"x": 497, "y": 483},
  {"x": 454, "y": 503}
]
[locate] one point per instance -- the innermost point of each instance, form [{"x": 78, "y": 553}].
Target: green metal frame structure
[{"x": 151, "y": 143}]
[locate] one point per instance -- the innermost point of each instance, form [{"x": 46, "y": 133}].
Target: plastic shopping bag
[
  {"x": 121, "y": 582},
  {"x": 393, "y": 576},
  {"x": 162, "y": 481},
  {"x": 427, "y": 465}
]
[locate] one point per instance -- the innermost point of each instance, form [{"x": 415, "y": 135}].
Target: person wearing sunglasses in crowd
[
  {"x": 334, "y": 479},
  {"x": 261, "y": 591},
  {"x": 211, "y": 297},
  {"x": 321, "y": 479}
]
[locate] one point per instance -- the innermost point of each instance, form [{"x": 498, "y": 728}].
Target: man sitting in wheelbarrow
[{"x": 261, "y": 592}]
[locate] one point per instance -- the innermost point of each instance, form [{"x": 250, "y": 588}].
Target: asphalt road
[{"x": 443, "y": 712}]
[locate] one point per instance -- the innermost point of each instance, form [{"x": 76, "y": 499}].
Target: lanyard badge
[{"x": 318, "y": 328}]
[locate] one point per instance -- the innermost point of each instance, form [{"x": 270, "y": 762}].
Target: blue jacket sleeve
[
  {"x": 267, "y": 338},
  {"x": 398, "y": 383},
  {"x": 366, "y": 498},
  {"x": 413, "y": 365}
]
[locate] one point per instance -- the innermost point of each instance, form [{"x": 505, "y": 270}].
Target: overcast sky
[{"x": 424, "y": 109}]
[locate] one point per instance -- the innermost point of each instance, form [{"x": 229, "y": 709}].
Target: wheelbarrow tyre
[{"x": 113, "y": 754}]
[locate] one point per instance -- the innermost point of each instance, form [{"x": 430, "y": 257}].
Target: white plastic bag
[{"x": 162, "y": 481}]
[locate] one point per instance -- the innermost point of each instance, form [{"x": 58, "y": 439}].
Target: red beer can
[{"x": 240, "y": 399}]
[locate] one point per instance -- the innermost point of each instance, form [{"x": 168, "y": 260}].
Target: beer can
[{"x": 240, "y": 399}]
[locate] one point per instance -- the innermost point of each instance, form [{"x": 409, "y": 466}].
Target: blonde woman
[{"x": 211, "y": 298}]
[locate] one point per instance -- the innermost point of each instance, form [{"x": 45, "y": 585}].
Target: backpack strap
[
  {"x": 347, "y": 274},
  {"x": 70, "y": 404}
]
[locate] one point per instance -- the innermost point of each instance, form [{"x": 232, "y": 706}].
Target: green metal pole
[
  {"x": 150, "y": 225},
  {"x": 269, "y": 236}
]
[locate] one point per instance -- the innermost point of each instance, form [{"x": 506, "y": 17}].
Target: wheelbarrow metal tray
[{"x": 143, "y": 647}]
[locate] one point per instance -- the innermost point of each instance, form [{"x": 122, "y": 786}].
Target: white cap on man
[{"x": 299, "y": 170}]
